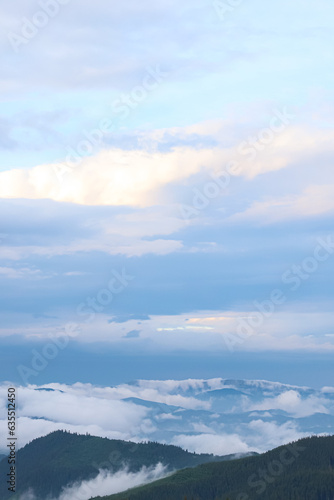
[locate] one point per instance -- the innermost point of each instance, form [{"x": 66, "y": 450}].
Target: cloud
[
  {"x": 272, "y": 434},
  {"x": 287, "y": 330},
  {"x": 78, "y": 410},
  {"x": 115, "y": 177},
  {"x": 20, "y": 273},
  {"x": 314, "y": 201},
  {"x": 219, "y": 332},
  {"x": 28, "y": 495},
  {"x": 42, "y": 412},
  {"x": 225, "y": 444},
  {"x": 327, "y": 390},
  {"x": 168, "y": 416},
  {"x": 117, "y": 68},
  {"x": 292, "y": 403},
  {"x": 162, "y": 181},
  {"x": 35, "y": 427},
  {"x": 198, "y": 415},
  {"x": 107, "y": 483},
  {"x": 128, "y": 317},
  {"x": 131, "y": 232},
  {"x": 135, "y": 178},
  {"x": 133, "y": 334}
]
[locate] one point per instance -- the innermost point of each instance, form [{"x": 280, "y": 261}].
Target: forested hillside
[
  {"x": 301, "y": 471},
  {"x": 49, "y": 463}
]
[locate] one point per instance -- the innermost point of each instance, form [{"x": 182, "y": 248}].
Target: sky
[{"x": 166, "y": 190}]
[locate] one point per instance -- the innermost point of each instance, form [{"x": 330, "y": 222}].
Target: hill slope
[
  {"x": 48, "y": 464},
  {"x": 301, "y": 471}
]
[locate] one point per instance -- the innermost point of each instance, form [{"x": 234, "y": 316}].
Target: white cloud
[
  {"x": 32, "y": 428},
  {"x": 81, "y": 410},
  {"x": 315, "y": 200},
  {"x": 224, "y": 444},
  {"x": 42, "y": 412},
  {"x": 114, "y": 177},
  {"x": 292, "y": 403},
  {"x": 327, "y": 390},
  {"x": 130, "y": 247},
  {"x": 28, "y": 495},
  {"x": 107, "y": 483},
  {"x": 197, "y": 424},
  {"x": 137, "y": 178},
  {"x": 134, "y": 233},
  {"x": 267, "y": 435},
  {"x": 199, "y": 427},
  {"x": 168, "y": 416},
  {"x": 210, "y": 331},
  {"x": 21, "y": 273}
]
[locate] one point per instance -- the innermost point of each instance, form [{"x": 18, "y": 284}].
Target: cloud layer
[
  {"x": 205, "y": 416},
  {"x": 107, "y": 484}
]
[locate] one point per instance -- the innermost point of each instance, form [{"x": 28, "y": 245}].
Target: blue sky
[{"x": 166, "y": 182}]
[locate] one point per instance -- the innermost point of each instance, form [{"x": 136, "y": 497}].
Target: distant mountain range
[
  {"x": 213, "y": 418},
  {"x": 301, "y": 471},
  {"x": 49, "y": 464},
  {"x": 219, "y": 416}
]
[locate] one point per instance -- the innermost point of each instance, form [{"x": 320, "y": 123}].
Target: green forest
[
  {"x": 300, "y": 471},
  {"x": 49, "y": 463}
]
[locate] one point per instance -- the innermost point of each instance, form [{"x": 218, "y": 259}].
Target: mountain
[
  {"x": 48, "y": 464},
  {"x": 303, "y": 470},
  {"x": 2, "y": 457},
  {"x": 219, "y": 416}
]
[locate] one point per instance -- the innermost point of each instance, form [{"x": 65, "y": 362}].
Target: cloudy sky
[{"x": 166, "y": 188}]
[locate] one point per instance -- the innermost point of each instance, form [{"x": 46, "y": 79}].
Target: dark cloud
[{"x": 133, "y": 334}]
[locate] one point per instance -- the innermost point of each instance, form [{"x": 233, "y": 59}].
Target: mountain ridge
[
  {"x": 302, "y": 470},
  {"x": 50, "y": 463}
]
